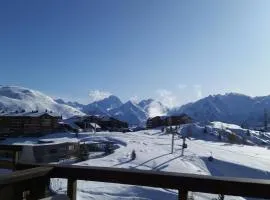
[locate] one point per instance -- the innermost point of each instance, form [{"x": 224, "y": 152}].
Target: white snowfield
[{"x": 153, "y": 152}]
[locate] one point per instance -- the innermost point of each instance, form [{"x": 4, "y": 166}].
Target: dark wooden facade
[
  {"x": 106, "y": 123},
  {"x": 28, "y": 124},
  {"x": 113, "y": 124},
  {"x": 168, "y": 120}
]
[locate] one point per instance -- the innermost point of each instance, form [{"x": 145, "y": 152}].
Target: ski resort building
[
  {"x": 29, "y": 123},
  {"x": 167, "y": 121},
  {"x": 40, "y": 152},
  {"x": 94, "y": 123}
]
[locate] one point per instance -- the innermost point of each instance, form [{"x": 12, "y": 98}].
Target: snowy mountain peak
[
  {"x": 73, "y": 104},
  {"x": 235, "y": 94},
  {"x": 130, "y": 112},
  {"x": 145, "y": 102},
  {"x": 130, "y": 103},
  {"x": 109, "y": 103},
  {"x": 61, "y": 101}
]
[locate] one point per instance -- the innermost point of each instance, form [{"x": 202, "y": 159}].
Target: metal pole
[
  {"x": 183, "y": 145},
  {"x": 172, "y": 132},
  {"x": 172, "y": 141}
]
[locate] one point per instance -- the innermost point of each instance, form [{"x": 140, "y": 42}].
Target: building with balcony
[{"x": 28, "y": 123}]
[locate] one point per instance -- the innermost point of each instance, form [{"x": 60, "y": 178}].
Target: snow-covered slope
[
  {"x": 153, "y": 152},
  {"x": 15, "y": 98},
  {"x": 130, "y": 112},
  {"x": 231, "y": 108},
  {"x": 223, "y": 132}
]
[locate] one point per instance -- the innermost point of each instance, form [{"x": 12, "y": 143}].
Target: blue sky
[{"x": 175, "y": 51}]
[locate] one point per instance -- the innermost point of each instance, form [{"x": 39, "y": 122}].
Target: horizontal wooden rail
[
  {"x": 25, "y": 184},
  {"x": 24, "y": 175},
  {"x": 7, "y": 164},
  {"x": 11, "y": 147},
  {"x": 189, "y": 182}
]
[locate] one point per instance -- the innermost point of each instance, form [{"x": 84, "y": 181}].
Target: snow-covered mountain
[
  {"x": 102, "y": 107},
  {"x": 73, "y": 104},
  {"x": 15, "y": 98},
  {"x": 231, "y": 108},
  {"x": 130, "y": 112},
  {"x": 153, "y": 108},
  {"x": 145, "y": 103}
]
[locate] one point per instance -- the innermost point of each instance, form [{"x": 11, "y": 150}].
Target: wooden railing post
[
  {"x": 15, "y": 158},
  {"x": 182, "y": 194},
  {"x": 72, "y": 188}
]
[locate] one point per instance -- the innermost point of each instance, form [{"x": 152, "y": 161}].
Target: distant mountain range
[
  {"x": 131, "y": 112},
  {"x": 231, "y": 108}
]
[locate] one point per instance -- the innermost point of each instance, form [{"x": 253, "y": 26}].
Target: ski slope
[{"x": 153, "y": 152}]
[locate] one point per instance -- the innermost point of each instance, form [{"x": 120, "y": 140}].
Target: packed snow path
[{"x": 153, "y": 152}]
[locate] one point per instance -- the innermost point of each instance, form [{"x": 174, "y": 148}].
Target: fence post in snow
[
  {"x": 172, "y": 132},
  {"x": 183, "y": 145}
]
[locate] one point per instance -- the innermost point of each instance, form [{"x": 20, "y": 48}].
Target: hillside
[
  {"x": 153, "y": 152},
  {"x": 15, "y": 98}
]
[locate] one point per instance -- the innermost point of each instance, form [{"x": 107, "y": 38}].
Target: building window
[
  {"x": 70, "y": 147},
  {"x": 52, "y": 151}
]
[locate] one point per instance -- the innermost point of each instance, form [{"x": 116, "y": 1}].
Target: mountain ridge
[
  {"x": 230, "y": 108},
  {"x": 16, "y": 98}
]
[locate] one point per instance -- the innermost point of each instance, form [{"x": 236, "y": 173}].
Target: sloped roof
[
  {"x": 95, "y": 125},
  {"x": 30, "y": 114}
]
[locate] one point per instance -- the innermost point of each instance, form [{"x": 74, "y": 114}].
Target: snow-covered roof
[
  {"x": 95, "y": 125},
  {"x": 30, "y": 114},
  {"x": 56, "y": 138}
]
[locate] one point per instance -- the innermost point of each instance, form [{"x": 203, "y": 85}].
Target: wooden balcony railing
[{"x": 31, "y": 181}]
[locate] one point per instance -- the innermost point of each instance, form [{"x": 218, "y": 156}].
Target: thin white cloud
[
  {"x": 96, "y": 95},
  {"x": 182, "y": 86},
  {"x": 198, "y": 91},
  {"x": 167, "y": 98},
  {"x": 155, "y": 109}
]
